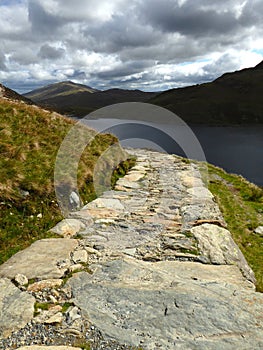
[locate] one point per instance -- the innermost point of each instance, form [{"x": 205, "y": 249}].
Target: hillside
[
  {"x": 234, "y": 98},
  {"x": 7, "y": 93},
  {"x": 79, "y": 100},
  {"x": 63, "y": 89},
  {"x": 29, "y": 142}
]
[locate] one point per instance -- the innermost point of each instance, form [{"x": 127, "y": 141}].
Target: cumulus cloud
[
  {"x": 189, "y": 18},
  {"x": 50, "y": 52},
  {"x": 147, "y": 44}
]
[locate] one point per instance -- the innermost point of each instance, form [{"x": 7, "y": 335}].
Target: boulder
[
  {"x": 68, "y": 227},
  {"x": 259, "y": 230},
  {"x": 216, "y": 244}
]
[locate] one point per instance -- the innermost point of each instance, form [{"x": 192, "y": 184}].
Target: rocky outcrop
[{"x": 154, "y": 267}]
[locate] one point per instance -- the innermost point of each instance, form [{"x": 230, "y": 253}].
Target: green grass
[
  {"x": 29, "y": 141},
  {"x": 241, "y": 203},
  {"x": 40, "y": 306},
  {"x": 122, "y": 169}
]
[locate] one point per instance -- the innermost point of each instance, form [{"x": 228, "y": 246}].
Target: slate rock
[
  {"x": 68, "y": 227},
  {"x": 171, "y": 305},
  {"x": 109, "y": 203},
  {"x": 16, "y": 308},
  {"x": 40, "y": 260},
  {"x": 217, "y": 245}
]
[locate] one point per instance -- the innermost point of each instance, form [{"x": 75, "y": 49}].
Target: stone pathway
[{"x": 150, "y": 265}]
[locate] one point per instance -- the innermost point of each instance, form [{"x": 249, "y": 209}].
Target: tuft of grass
[
  {"x": 82, "y": 345},
  {"x": 40, "y": 306},
  {"x": 30, "y": 138},
  {"x": 241, "y": 204},
  {"x": 122, "y": 169},
  {"x": 66, "y": 306}
]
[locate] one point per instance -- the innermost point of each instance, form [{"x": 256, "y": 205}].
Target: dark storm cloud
[
  {"x": 252, "y": 13},
  {"x": 128, "y": 43},
  {"x": 2, "y": 62},
  {"x": 188, "y": 19},
  {"x": 77, "y": 74},
  {"x": 120, "y": 32},
  {"x": 124, "y": 69},
  {"x": 42, "y": 21},
  {"x": 49, "y": 52}
]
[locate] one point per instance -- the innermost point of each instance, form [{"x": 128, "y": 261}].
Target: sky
[{"x": 151, "y": 45}]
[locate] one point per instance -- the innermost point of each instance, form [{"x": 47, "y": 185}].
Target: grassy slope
[
  {"x": 241, "y": 203},
  {"x": 58, "y": 89},
  {"x": 29, "y": 141},
  {"x": 226, "y": 100},
  {"x": 75, "y": 99}
]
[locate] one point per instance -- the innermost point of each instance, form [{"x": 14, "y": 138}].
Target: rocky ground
[{"x": 150, "y": 265}]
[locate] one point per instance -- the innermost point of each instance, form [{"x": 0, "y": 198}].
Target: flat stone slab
[
  {"x": 134, "y": 176},
  {"x": 16, "y": 308},
  {"x": 68, "y": 227},
  {"x": 40, "y": 260},
  {"x": 218, "y": 246},
  {"x": 109, "y": 203},
  {"x": 171, "y": 305}
]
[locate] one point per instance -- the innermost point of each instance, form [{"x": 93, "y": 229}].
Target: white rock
[
  {"x": 77, "y": 267},
  {"x": 21, "y": 279},
  {"x": 57, "y": 318},
  {"x": 73, "y": 314},
  {"x": 80, "y": 256},
  {"x": 130, "y": 251},
  {"x": 108, "y": 203},
  {"x": 200, "y": 193},
  {"x": 134, "y": 176},
  {"x": 259, "y": 230},
  {"x": 74, "y": 199},
  {"x": 68, "y": 227}
]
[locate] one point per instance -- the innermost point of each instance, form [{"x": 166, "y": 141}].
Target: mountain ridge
[
  {"x": 10, "y": 94},
  {"x": 232, "y": 98},
  {"x": 79, "y": 102}
]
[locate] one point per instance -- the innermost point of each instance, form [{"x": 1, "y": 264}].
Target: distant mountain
[
  {"x": 12, "y": 95},
  {"x": 61, "y": 90},
  {"x": 78, "y": 100},
  {"x": 234, "y": 98}
]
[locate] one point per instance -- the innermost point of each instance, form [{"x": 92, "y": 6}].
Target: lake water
[{"x": 236, "y": 149}]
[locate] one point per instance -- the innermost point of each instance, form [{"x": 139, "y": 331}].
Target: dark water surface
[{"x": 237, "y": 149}]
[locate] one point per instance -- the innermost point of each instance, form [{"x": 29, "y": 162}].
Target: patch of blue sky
[
  {"x": 12, "y": 2},
  {"x": 259, "y": 51},
  {"x": 188, "y": 63}
]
